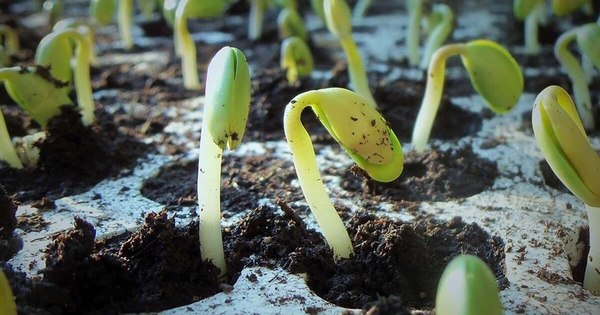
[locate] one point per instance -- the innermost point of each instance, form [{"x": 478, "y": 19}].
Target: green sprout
[
  {"x": 226, "y": 109},
  {"x": 415, "y": 9},
  {"x": 441, "y": 21},
  {"x": 493, "y": 72},
  {"x": 147, "y": 7},
  {"x": 565, "y": 7},
  {"x": 7, "y": 300},
  {"x": 318, "y": 9},
  {"x": 288, "y": 4},
  {"x": 339, "y": 23},
  {"x": 55, "y": 50},
  {"x": 561, "y": 137},
  {"x": 184, "y": 44},
  {"x": 255, "y": 22},
  {"x": 168, "y": 11},
  {"x": 587, "y": 38},
  {"x": 468, "y": 287},
  {"x": 9, "y": 44},
  {"x": 82, "y": 27},
  {"x": 102, "y": 11},
  {"x": 533, "y": 12},
  {"x": 361, "y": 8},
  {"x": 54, "y": 9},
  {"x": 296, "y": 59},
  {"x": 8, "y": 153},
  {"x": 363, "y": 133},
  {"x": 290, "y": 24}
]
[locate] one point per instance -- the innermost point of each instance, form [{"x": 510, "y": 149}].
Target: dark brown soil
[
  {"x": 432, "y": 176},
  {"x": 73, "y": 158},
  {"x": 9, "y": 245}
]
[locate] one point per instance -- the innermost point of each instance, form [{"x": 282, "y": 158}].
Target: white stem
[
  {"x": 7, "y": 150},
  {"x": 255, "y": 22},
  {"x": 125, "y": 21},
  {"x": 209, "y": 200},
  {"x": 187, "y": 48},
  {"x": 532, "y": 43},
  {"x": 592, "y": 270}
]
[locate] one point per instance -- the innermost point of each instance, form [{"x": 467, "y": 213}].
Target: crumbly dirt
[
  {"x": 73, "y": 158},
  {"x": 8, "y": 222},
  {"x": 434, "y": 175}
]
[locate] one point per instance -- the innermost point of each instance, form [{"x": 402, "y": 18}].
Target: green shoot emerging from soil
[
  {"x": 55, "y": 51},
  {"x": 7, "y": 300},
  {"x": 533, "y": 12},
  {"x": 296, "y": 59},
  {"x": 364, "y": 135},
  {"x": 225, "y": 115},
  {"x": 290, "y": 24},
  {"x": 82, "y": 27},
  {"x": 494, "y": 74},
  {"x": 184, "y": 44},
  {"x": 361, "y": 8},
  {"x": 168, "y": 11},
  {"x": 562, "y": 139},
  {"x": 441, "y": 22},
  {"x": 102, "y": 11},
  {"x": 36, "y": 91},
  {"x": 415, "y": 9},
  {"x": 318, "y": 9},
  {"x": 8, "y": 153},
  {"x": 339, "y": 23},
  {"x": 255, "y": 21},
  {"x": 588, "y": 41},
  {"x": 468, "y": 287},
  {"x": 9, "y": 44}
]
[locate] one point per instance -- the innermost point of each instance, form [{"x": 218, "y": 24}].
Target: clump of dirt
[
  {"x": 431, "y": 176},
  {"x": 73, "y": 157},
  {"x": 8, "y": 222},
  {"x": 404, "y": 259},
  {"x": 156, "y": 268}
]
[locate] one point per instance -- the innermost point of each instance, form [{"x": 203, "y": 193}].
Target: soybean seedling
[
  {"x": 168, "y": 11},
  {"x": 360, "y": 130},
  {"x": 226, "y": 109},
  {"x": 318, "y": 9},
  {"x": 339, "y": 23},
  {"x": 102, "y": 11},
  {"x": 54, "y": 9},
  {"x": 7, "y": 300},
  {"x": 290, "y": 24},
  {"x": 82, "y": 27},
  {"x": 296, "y": 59},
  {"x": 415, "y": 9},
  {"x": 468, "y": 287},
  {"x": 184, "y": 44},
  {"x": 255, "y": 21},
  {"x": 493, "y": 72},
  {"x": 587, "y": 38},
  {"x": 441, "y": 20},
  {"x": 8, "y": 153},
  {"x": 9, "y": 44},
  {"x": 561, "y": 137},
  {"x": 55, "y": 50},
  {"x": 533, "y": 12}
]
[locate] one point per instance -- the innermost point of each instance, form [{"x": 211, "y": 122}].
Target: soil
[{"x": 9, "y": 245}]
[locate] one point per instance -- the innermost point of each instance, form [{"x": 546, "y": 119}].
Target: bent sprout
[
  {"x": 493, "y": 72},
  {"x": 82, "y": 27},
  {"x": 55, "y": 51},
  {"x": 561, "y": 137},
  {"x": 184, "y": 44},
  {"x": 339, "y": 23},
  {"x": 290, "y": 24},
  {"x": 415, "y": 9},
  {"x": 361, "y": 131},
  {"x": 532, "y": 11},
  {"x": 226, "y": 109},
  {"x": 9, "y": 44},
  {"x": 587, "y": 38},
  {"x": 442, "y": 18},
  {"x": 468, "y": 287},
  {"x": 296, "y": 59}
]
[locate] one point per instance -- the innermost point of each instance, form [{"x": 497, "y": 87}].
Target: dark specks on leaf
[
  {"x": 234, "y": 136},
  {"x": 373, "y": 122},
  {"x": 293, "y": 102},
  {"x": 353, "y": 118}
]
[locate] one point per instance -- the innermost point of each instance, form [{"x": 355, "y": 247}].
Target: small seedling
[
  {"x": 9, "y": 44},
  {"x": 561, "y": 137},
  {"x": 55, "y": 50},
  {"x": 296, "y": 59},
  {"x": 468, "y": 287},
  {"x": 318, "y": 9},
  {"x": 8, "y": 153},
  {"x": 54, "y": 9},
  {"x": 82, "y": 27},
  {"x": 493, "y": 72},
  {"x": 441, "y": 22},
  {"x": 184, "y": 44},
  {"x": 226, "y": 109},
  {"x": 255, "y": 21},
  {"x": 415, "y": 9},
  {"x": 361, "y": 131},
  {"x": 7, "y": 300},
  {"x": 290, "y": 24},
  {"x": 534, "y": 13},
  {"x": 102, "y": 11},
  {"x": 147, "y": 7},
  {"x": 339, "y": 23},
  {"x": 361, "y": 8},
  {"x": 587, "y": 38},
  {"x": 168, "y": 11}
]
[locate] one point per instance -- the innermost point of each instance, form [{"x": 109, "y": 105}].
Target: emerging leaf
[{"x": 338, "y": 17}]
